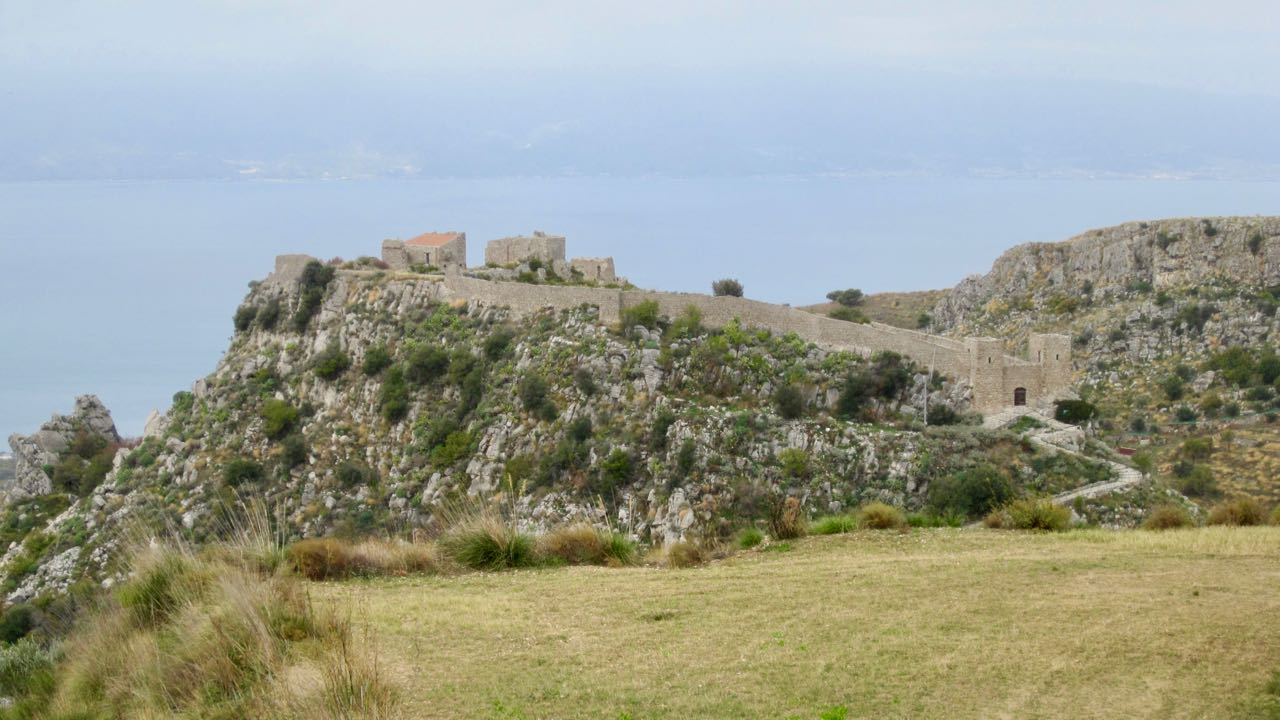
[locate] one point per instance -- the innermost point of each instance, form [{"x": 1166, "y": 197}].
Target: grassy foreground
[{"x": 933, "y": 623}]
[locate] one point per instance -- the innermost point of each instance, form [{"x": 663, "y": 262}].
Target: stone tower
[{"x": 1052, "y": 353}]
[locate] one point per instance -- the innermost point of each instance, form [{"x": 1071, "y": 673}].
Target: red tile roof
[{"x": 434, "y": 239}]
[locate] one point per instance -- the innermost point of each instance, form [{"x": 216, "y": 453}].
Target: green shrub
[
  {"x": 1242, "y": 511},
  {"x": 726, "y": 287},
  {"x": 1168, "y": 517},
  {"x": 662, "y": 422},
  {"x": 278, "y": 418},
  {"x": 16, "y": 622},
  {"x": 489, "y": 544},
  {"x": 456, "y": 447},
  {"x": 849, "y": 314},
  {"x": 795, "y": 463},
  {"x": 617, "y": 469},
  {"x": 269, "y": 315},
  {"x": 833, "y": 525},
  {"x": 26, "y": 669},
  {"x": 852, "y": 297},
  {"x": 1174, "y": 388},
  {"x": 1255, "y": 243},
  {"x": 749, "y": 537},
  {"x": 686, "y": 458},
  {"x": 534, "y": 395},
  {"x": 425, "y": 364},
  {"x": 353, "y": 473},
  {"x": 376, "y": 359},
  {"x": 585, "y": 383},
  {"x": 581, "y": 429},
  {"x": 1184, "y": 414},
  {"x": 618, "y": 549},
  {"x": 240, "y": 471},
  {"x": 498, "y": 344},
  {"x": 393, "y": 397},
  {"x": 879, "y": 516},
  {"x": 854, "y": 397},
  {"x": 1074, "y": 412},
  {"x": 790, "y": 401},
  {"x": 642, "y": 314},
  {"x": 331, "y": 363},
  {"x": 1038, "y": 514},
  {"x": 972, "y": 493},
  {"x": 293, "y": 451},
  {"x": 244, "y": 317},
  {"x": 1197, "y": 448}
]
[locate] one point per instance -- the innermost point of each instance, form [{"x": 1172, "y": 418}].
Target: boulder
[{"x": 33, "y": 453}]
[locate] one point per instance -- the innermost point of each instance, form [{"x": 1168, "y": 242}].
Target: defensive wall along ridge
[{"x": 997, "y": 380}]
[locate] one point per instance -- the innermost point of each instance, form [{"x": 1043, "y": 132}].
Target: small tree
[
  {"x": 726, "y": 286},
  {"x": 851, "y": 297}
]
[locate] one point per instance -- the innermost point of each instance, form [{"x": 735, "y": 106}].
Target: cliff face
[
  {"x": 33, "y": 454},
  {"x": 1120, "y": 261}
]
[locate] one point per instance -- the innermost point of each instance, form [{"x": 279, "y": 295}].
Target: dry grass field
[{"x": 932, "y": 623}]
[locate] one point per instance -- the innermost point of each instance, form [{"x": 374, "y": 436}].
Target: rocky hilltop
[
  {"x": 1174, "y": 326},
  {"x": 35, "y": 455},
  {"x": 359, "y": 401}
]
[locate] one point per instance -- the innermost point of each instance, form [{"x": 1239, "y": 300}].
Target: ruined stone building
[
  {"x": 597, "y": 269},
  {"x": 539, "y": 246},
  {"x": 444, "y": 250}
]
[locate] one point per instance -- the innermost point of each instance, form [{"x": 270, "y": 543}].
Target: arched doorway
[{"x": 1020, "y": 396}]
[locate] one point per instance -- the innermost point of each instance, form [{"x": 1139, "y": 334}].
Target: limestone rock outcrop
[{"x": 33, "y": 453}]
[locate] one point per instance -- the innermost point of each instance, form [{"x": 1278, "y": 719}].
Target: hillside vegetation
[{"x": 936, "y": 623}]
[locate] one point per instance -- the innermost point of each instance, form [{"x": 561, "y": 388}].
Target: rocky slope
[
  {"x": 361, "y": 402},
  {"x": 1174, "y": 325}
]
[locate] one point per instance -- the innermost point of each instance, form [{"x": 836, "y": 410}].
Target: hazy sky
[
  {"x": 158, "y": 89},
  {"x": 800, "y": 146}
]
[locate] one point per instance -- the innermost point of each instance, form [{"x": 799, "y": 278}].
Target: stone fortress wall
[{"x": 997, "y": 380}]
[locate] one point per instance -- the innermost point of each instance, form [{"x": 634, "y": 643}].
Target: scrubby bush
[
  {"x": 789, "y": 400},
  {"x": 795, "y": 463},
  {"x": 26, "y": 669},
  {"x": 1174, "y": 388},
  {"x": 662, "y": 422},
  {"x": 833, "y": 525},
  {"x": 749, "y": 537},
  {"x": 1196, "y": 481},
  {"x": 617, "y": 469},
  {"x": 457, "y": 446},
  {"x": 331, "y": 363},
  {"x": 278, "y": 418},
  {"x": 425, "y": 364},
  {"x": 16, "y": 622},
  {"x": 315, "y": 279},
  {"x": 1038, "y": 514},
  {"x": 244, "y": 317},
  {"x": 488, "y": 543},
  {"x": 353, "y": 473},
  {"x": 786, "y": 518},
  {"x": 642, "y": 314},
  {"x": 585, "y": 382},
  {"x": 269, "y": 315},
  {"x": 686, "y": 458},
  {"x": 685, "y": 555},
  {"x": 879, "y": 516},
  {"x": 293, "y": 450},
  {"x": 534, "y": 395},
  {"x": 852, "y": 297},
  {"x": 1185, "y": 414},
  {"x": 726, "y": 287},
  {"x": 393, "y": 397},
  {"x": 1197, "y": 448},
  {"x": 240, "y": 471},
  {"x": 849, "y": 314},
  {"x": 1074, "y": 412},
  {"x": 320, "y": 559},
  {"x": 1168, "y": 517},
  {"x": 376, "y": 359},
  {"x": 1242, "y": 511},
  {"x": 498, "y": 344},
  {"x": 973, "y": 492}
]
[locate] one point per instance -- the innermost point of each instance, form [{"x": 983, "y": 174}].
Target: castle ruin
[{"x": 997, "y": 380}]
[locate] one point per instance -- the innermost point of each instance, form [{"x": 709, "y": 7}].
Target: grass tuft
[
  {"x": 834, "y": 525},
  {"x": 488, "y": 543},
  {"x": 879, "y": 516},
  {"x": 749, "y": 537},
  {"x": 685, "y": 555},
  {"x": 1037, "y": 514}
]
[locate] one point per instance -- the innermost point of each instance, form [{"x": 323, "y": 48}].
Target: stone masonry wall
[{"x": 548, "y": 248}]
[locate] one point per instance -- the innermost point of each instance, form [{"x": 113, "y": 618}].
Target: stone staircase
[{"x": 1059, "y": 437}]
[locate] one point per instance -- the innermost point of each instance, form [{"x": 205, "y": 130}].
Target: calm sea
[{"x": 127, "y": 290}]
